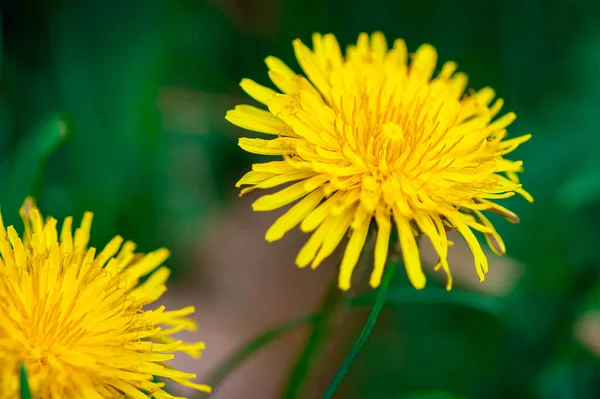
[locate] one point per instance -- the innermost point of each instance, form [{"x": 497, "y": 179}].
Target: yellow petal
[
  {"x": 254, "y": 177},
  {"x": 448, "y": 69},
  {"x": 278, "y": 146},
  {"x": 352, "y": 254},
  {"x": 255, "y": 119},
  {"x": 275, "y": 167},
  {"x": 276, "y": 65},
  {"x": 309, "y": 250},
  {"x": 146, "y": 264},
  {"x": 311, "y": 68},
  {"x": 316, "y": 217},
  {"x": 382, "y": 244},
  {"x": 294, "y": 216},
  {"x": 503, "y": 121},
  {"x": 458, "y": 84},
  {"x": 481, "y": 263},
  {"x": 410, "y": 252},
  {"x": 278, "y": 180},
  {"x": 258, "y": 92},
  {"x": 332, "y": 50},
  {"x": 334, "y": 235},
  {"x": 50, "y": 232},
  {"x": 287, "y": 195},
  {"x": 401, "y": 51},
  {"x": 502, "y": 211},
  {"x": 379, "y": 45},
  {"x": 423, "y": 63},
  {"x": 493, "y": 239},
  {"x": 18, "y": 247},
  {"x": 109, "y": 250},
  {"x": 281, "y": 75},
  {"x": 485, "y": 96},
  {"x": 2, "y": 228},
  {"x": 510, "y": 145},
  {"x": 66, "y": 238},
  {"x": 443, "y": 253},
  {"x": 82, "y": 234},
  {"x": 524, "y": 194}
]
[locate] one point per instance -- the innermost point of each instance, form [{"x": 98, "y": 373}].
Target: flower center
[
  {"x": 386, "y": 146},
  {"x": 392, "y": 137},
  {"x": 40, "y": 355},
  {"x": 37, "y": 353}
]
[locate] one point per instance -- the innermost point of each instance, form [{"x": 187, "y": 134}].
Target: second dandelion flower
[{"x": 368, "y": 135}]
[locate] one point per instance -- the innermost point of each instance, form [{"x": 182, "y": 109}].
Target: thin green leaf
[
  {"x": 254, "y": 345},
  {"x": 314, "y": 343},
  {"x": 25, "y": 392},
  {"x": 364, "y": 334},
  {"x": 395, "y": 296},
  {"x": 403, "y": 296},
  {"x": 26, "y": 167}
]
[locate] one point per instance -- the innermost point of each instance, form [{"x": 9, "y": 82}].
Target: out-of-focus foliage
[{"x": 144, "y": 86}]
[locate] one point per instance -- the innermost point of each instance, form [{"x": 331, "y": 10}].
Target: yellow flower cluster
[
  {"x": 369, "y": 136},
  {"x": 76, "y": 319}
]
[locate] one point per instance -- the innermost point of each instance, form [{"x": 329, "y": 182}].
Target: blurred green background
[{"x": 141, "y": 88}]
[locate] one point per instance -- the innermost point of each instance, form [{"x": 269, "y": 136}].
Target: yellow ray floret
[
  {"x": 77, "y": 319},
  {"x": 371, "y": 136}
]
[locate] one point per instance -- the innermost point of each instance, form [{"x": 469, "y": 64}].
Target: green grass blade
[
  {"x": 314, "y": 343},
  {"x": 34, "y": 151},
  {"x": 407, "y": 295},
  {"x": 254, "y": 345},
  {"x": 23, "y": 173},
  {"x": 395, "y": 296},
  {"x": 364, "y": 334},
  {"x": 25, "y": 392}
]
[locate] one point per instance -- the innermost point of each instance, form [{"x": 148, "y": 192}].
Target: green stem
[
  {"x": 314, "y": 343},
  {"x": 254, "y": 345},
  {"x": 398, "y": 295},
  {"x": 364, "y": 334}
]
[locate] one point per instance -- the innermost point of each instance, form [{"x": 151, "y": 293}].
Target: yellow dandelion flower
[
  {"x": 368, "y": 136},
  {"x": 74, "y": 317}
]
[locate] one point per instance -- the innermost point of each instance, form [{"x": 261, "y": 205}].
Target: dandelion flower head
[
  {"x": 370, "y": 136},
  {"x": 74, "y": 317}
]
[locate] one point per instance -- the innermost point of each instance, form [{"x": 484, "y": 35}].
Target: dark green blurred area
[{"x": 142, "y": 87}]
